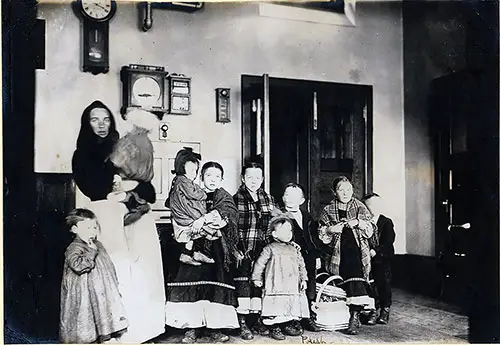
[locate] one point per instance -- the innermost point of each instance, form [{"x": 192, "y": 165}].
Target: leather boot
[
  {"x": 372, "y": 318},
  {"x": 260, "y": 328},
  {"x": 383, "y": 319},
  {"x": 245, "y": 332},
  {"x": 353, "y": 322}
]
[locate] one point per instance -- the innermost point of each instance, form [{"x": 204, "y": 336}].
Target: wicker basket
[{"x": 330, "y": 307}]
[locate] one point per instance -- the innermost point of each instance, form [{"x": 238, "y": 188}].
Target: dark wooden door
[
  {"x": 340, "y": 143},
  {"x": 453, "y": 120},
  {"x": 451, "y": 116}
]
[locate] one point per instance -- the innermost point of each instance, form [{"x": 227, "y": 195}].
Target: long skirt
[
  {"x": 202, "y": 296},
  {"x": 351, "y": 270},
  {"x": 135, "y": 252}
]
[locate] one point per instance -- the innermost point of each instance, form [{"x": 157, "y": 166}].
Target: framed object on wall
[
  {"x": 180, "y": 94},
  {"x": 144, "y": 87},
  {"x": 223, "y": 104}
]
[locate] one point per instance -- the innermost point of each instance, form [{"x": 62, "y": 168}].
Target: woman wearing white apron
[{"x": 134, "y": 249}]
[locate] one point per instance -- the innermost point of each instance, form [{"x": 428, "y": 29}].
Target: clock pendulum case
[{"x": 95, "y": 16}]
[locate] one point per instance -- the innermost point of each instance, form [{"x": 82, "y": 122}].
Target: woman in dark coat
[{"x": 92, "y": 171}]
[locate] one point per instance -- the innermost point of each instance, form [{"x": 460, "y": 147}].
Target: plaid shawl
[
  {"x": 329, "y": 217},
  {"x": 253, "y": 220},
  {"x": 224, "y": 204}
]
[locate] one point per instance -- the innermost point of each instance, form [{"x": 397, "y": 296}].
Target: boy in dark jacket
[
  {"x": 382, "y": 252},
  {"x": 305, "y": 234}
]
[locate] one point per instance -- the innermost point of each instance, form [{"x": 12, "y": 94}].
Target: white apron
[{"x": 136, "y": 254}]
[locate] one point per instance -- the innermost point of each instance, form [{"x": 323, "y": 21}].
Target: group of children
[{"x": 276, "y": 257}]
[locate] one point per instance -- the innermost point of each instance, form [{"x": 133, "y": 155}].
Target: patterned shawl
[
  {"x": 253, "y": 220},
  {"x": 224, "y": 204},
  {"x": 329, "y": 217}
]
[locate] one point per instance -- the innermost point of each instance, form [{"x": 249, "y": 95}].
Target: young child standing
[
  {"x": 255, "y": 208},
  {"x": 187, "y": 202},
  {"x": 381, "y": 252},
  {"x": 305, "y": 234},
  {"x": 281, "y": 271},
  {"x": 91, "y": 306}
]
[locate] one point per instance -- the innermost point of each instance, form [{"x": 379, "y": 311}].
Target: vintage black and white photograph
[{"x": 251, "y": 172}]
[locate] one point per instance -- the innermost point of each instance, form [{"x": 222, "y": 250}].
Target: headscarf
[
  {"x": 92, "y": 171},
  {"x": 88, "y": 141}
]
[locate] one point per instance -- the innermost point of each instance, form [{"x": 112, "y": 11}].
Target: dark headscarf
[
  {"x": 88, "y": 140},
  {"x": 92, "y": 171}
]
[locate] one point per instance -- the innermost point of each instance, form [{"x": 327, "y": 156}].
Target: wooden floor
[{"x": 413, "y": 319}]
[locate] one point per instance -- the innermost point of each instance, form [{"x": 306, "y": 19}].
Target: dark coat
[
  {"x": 386, "y": 237},
  {"x": 92, "y": 171}
]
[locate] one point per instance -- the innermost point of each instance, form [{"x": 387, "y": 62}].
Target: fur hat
[{"x": 142, "y": 119}]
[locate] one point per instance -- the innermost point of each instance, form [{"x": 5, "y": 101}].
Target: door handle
[{"x": 465, "y": 226}]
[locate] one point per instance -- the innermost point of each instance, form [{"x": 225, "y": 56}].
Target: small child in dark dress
[
  {"x": 187, "y": 202},
  {"x": 381, "y": 252},
  {"x": 91, "y": 305},
  {"x": 305, "y": 234}
]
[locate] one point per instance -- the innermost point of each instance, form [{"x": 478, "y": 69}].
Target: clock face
[
  {"x": 96, "y": 9},
  {"x": 146, "y": 93}
]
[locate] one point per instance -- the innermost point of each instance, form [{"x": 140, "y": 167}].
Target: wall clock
[
  {"x": 95, "y": 16},
  {"x": 144, "y": 87}
]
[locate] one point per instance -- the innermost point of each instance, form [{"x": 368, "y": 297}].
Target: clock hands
[{"x": 101, "y": 6}]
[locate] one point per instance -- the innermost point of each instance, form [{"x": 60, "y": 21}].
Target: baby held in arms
[{"x": 187, "y": 202}]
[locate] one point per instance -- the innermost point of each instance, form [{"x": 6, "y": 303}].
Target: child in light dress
[
  {"x": 281, "y": 272},
  {"x": 91, "y": 305}
]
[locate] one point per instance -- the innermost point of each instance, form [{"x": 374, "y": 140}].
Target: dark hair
[
  {"x": 87, "y": 137},
  {"x": 278, "y": 219},
  {"x": 208, "y": 165},
  {"x": 295, "y": 185},
  {"x": 183, "y": 156},
  {"x": 339, "y": 180},
  {"x": 78, "y": 215},
  {"x": 369, "y": 196},
  {"x": 250, "y": 165}
]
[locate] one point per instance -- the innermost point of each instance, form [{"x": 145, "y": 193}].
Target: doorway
[{"x": 308, "y": 132}]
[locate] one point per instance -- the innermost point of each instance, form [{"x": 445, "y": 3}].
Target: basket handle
[
  {"x": 323, "y": 286},
  {"x": 322, "y": 274}
]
